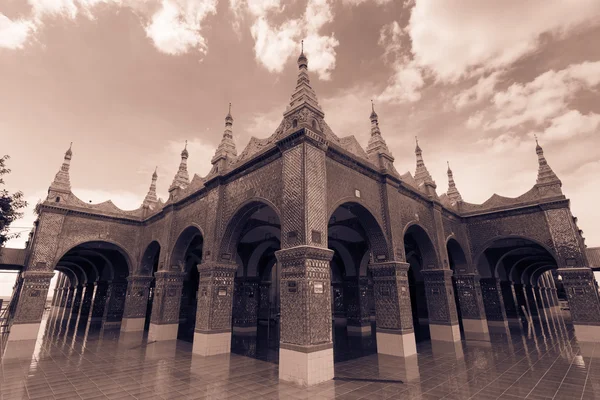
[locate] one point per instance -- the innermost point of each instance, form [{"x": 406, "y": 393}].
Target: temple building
[{"x": 303, "y": 235}]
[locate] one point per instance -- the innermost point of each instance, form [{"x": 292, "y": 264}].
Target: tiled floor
[{"x": 548, "y": 364}]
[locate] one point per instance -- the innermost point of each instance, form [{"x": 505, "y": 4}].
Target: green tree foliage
[{"x": 10, "y": 205}]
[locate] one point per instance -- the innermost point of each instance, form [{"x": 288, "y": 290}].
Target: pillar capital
[
  {"x": 292, "y": 254},
  {"x": 389, "y": 268}
]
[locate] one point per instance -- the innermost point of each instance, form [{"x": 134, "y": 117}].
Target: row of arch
[{"x": 254, "y": 235}]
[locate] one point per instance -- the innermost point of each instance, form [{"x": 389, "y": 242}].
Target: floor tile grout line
[
  {"x": 566, "y": 373},
  {"x": 538, "y": 360},
  {"x": 588, "y": 372},
  {"x": 554, "y": 362}
]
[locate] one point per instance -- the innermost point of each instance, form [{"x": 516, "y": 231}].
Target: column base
[
  {"x": 359, "y": 330},
  {"x": 210, "y": 344},
  {"x": 20, "y": 332},
  {"x": 305, "y": 368},
  {"x": 396, "y": 343},
  {"x": 132, "y": 324},
  {"x": 133, "y": 338},
  {"x": 476, "y": 329},
  {"x": 158, "y": 333},
  {"x": 586, "y": 333},
  {"x": 444, "y": 333}
]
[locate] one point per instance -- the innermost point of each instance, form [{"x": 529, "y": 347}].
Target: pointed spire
[
  {"x": 376, "y": 143},
  {"x": 182, "y": 178},
  {"x": 374, "y": 121},
  {"x": 62, "y": 181},
  {"x": 226, "y": 149},
  {"x": 545, "y": 174},
  {"x": 304, "y": 93},
  {"x": 421, "y": 174},
  {"x": 452, "y": 193},
  {"x": 151, "y": 199}
]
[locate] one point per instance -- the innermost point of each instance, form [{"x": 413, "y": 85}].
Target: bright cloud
[
  {"x": 275, "y": 44},
  {"x": 14, "y": 34},
  {"x": 175, "y": 27},
  {"x": 483, "y": 89},
  {"x": 570, "y": 124},
  {"x": 455, "y": 40}
]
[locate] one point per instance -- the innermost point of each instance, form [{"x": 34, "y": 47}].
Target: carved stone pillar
[
  {"x": 531, "y": 302},
  {"x": 245, "y": 305},
  {"x": 212, "y": 334},
  {"x": 116, "y": 304},
  {"x": 441, "y": 306},
  {"x": 395, "y": 333},
  {"x": 58, "y": 291},
  {"x": 69, "y": 301},
  {"x": 510, "y": 304},
  {"x": 136, "y": 303},
  {"x": 493, "y": 302},
  {"x": 471, "y": 306},
  {"x": 584, "y": 302},
  {"x": 86, "y": 301},
  {"x": 99, "y": 302},
  {"x": 30, "y": 305},
  {"x": 356, "y": 304},
  {"x": 76, "y": 307},
  {"x": 164, "y": 322},
  {"x": 305, "y": 349},
  {"x": 539, "y": 298}
]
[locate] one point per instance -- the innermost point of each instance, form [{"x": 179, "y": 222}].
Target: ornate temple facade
[{"x": 306, "y": 228}]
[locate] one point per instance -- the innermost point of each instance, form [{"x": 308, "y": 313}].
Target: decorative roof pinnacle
[
  {"x": 62, "y": 181},
  {"x": 303, "y": 95},
  {"x": 452, "y": 193},
  {"x": 151, "y": 197},
  {"x": 226, "y": 149},
  {"x": 545, "y": 174},
  {"x": 421, "y": 173},
  {"x": 181, "y": 179}
]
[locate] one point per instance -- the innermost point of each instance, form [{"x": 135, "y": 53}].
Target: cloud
[
  {"x": 483, "y": 89},
  {"x": 275, "y": 44},
  {"x": 462, "y": 39},
  {"x": 407, "y": 79},
  {"x": 14, "y": 34},
  {"x": 175, "y": 27},
  {"x": 570, "y": 124},
  {"x": 547, "y": 96}
]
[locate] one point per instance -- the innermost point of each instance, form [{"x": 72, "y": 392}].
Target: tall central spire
[
  {"x": 304, "y": 93},
  {"x": 151, "y": 198}
]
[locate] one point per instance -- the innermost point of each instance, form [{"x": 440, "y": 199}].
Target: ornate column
[
  {"x": 86, "y": 301},
  {"x": 245, "y": 306},
  {"x": 212, "y": 334},
  {"x": 471, "y": 306},
  {"x": 164, "y": 322},
  {"x": 99, "y": 302},
  {"x": 531, "y": 301},
  {"x": 584, "y": 302},
  {"x": 441, "y": 306},
  {"x": 357, "y": 305},
  {"x": 136, "y": 303},
  {"x": 511, "y": 307},
  {"x": 305, "y": 349},
  {"x": 493, "y": 302},
  {"x": 69, "y": 301},
  {"x": 395, "y": 332},
  {"x": 264, "y": 306},
  {"x": 30, "y": 306},
  {"x": 77, "y": 300},
  {"x": 57, "y": 290}
]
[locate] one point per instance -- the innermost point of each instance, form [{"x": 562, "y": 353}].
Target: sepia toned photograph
[{"x": 299, "y": 199}]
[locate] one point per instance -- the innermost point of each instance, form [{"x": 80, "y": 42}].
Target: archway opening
[
  {"x": 187, "y": 254},
  {"x": 420, "y": 254},
  {"x": 353, "y": 235},
  {"x": 149, "y": 267},
  {"x": 255, "y": 237},
  {"x": 513, "y": 296},
  {"x": 91, "y": 289},
  {"x": 459, "y": 266}
]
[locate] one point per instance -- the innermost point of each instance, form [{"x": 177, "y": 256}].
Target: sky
[{"x": 129, "y": 81}]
